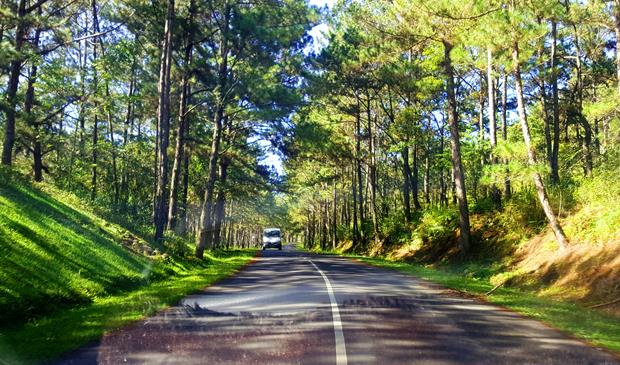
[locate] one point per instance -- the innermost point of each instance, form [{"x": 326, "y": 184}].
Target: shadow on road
[{"x": 277, "y": 311}]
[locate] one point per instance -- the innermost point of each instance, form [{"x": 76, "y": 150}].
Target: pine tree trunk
[
  {"x": 481, "y": 129},
  {"x": 538, "y": 182},
  {"x": 406, "y": 184},
  {"x": 83, "y": 62},
  {"x": 356, "y": 233},
  {"x": 491, "y": 93},
  {"x": 455, "y": 147},
  {"x": 555, "y": 148},
  {"x": 12, "y": 85},
  {"x": 115, "y": 182},
  {"x": 179, "y": 150},
  {"x": 507, "y": 187},
  {"x": 28, "y": 104},
  {"x": 495, "y": 192},
  {"x": 427, "y": 167},
  {"x": 414, "y": 178},
  {"x": 95, "y": 136},
  {"x": 358, "y": 161},
  {"x": 372, "y": 173},
  {"x": 128, "y": 122},
  {"x": 220, "y": 202},
  {"x": 163, "y": 126},
  {"x": 542, "y": 77},
  {"x": 182, "y": 215},
  {"x": 586, "y": 142},
  {"x": 205, "y": 236},
  {"x": 335, "y": 217},
  {"x": 443, "y": 188}
]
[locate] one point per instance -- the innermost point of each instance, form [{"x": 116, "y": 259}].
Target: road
[{"x": 290, "y": 307}]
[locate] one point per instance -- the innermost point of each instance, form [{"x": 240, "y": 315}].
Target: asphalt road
[{"x": 293, "y": 308}]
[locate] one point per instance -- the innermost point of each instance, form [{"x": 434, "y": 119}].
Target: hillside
[
  {"x": 65, "y": 269},
  {"x": 58, "y": 254},
  {"x": 513, "y": 247}
]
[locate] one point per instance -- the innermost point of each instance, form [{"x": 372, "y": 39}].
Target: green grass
[
  {"x": 55, "y": 255},
  {"x": 67, "y": 275},
  {"x": 48, "y": 337},
  {"x": 594, "y": 326}
]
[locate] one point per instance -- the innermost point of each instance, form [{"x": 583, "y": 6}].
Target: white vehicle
[{"x": 272, "y": 238}]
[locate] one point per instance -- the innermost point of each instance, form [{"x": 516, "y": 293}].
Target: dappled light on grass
[
  {"x": 57, "y": 256},
  {"x": 50, "y": 336}
]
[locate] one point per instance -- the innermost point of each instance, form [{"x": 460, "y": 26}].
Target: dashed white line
[{"x": 341, "y": 349}]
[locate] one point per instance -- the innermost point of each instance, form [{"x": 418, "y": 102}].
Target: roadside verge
[{"x": 49, "y": 337}]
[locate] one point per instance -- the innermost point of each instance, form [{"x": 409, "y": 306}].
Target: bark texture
[
  {"x": 455, "y": 148},
  {"x": 538, "y": 181}
]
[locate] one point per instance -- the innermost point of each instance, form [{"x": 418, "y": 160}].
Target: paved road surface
[{"x": 294, "y": 308}]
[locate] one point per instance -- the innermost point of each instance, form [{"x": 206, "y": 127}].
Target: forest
[
  {"x": 154, "y": 112},
  {"x": 412, "y": 116},
  {"x": 423, "y": 112},
  {"x": 477, "y": 136}
]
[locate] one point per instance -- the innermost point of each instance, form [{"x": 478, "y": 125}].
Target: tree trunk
[
  {"x": 540, "y": 187},
  {"x": 128, "y": 122},
  {"x": 414, "y": 178},
  {"x": 95, "y": 136},
  {"x": 182, "y": 215},
  {"x": 495, "y": 193},
  {"x": 491, "y": 92},
  {"x": 356, "y": 234},
  {"x": 507, "y": 187},
  {"x": 220, "y": 202},
  {"x": 12, "y": 84},
  {"x": 427, "y": 166},
  {"x": 542, "y": 76},
  {"x": 115, "y": 182},
  {"x": 586, "y": 142},
  {"x": 335, "y": 217},
  {"x": 555, "y": 148},
  {"x": 443, "y": 198},
  {"x": 457, "y": 165},
  {"x": 406, "y": 184},
  {"x": 82, "y": 116},
  {"x": 481, "y": 129},
  {"x": 163, "y": 126},
  {"x": 360, "y": 186},
  {"x": 179, "y": 150},
  {"x": 372, "y": 173},
  {"x": 206, "y": 222},
  {"x": 358, "y": 161},
  {"x": 28, "y": 104}
]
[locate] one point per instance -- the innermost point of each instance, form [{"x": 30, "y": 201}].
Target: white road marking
[{"x": 341, "y": 349}]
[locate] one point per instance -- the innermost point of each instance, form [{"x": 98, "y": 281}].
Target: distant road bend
[{"x": 294, "y": 308}]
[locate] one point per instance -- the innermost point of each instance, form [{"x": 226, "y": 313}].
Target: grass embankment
[{"x": 67, "y": 275}]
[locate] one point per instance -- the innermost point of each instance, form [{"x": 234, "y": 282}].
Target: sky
[{"x": 318, "y": 42}]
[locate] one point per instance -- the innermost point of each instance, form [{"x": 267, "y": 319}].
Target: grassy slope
[
  {"x": 56, "y": 255},
  {"x": 66, "y": 277},
  {"x": 49, "y": 337}
]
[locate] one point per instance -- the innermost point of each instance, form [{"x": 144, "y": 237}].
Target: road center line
[{"x": 341, "y": 349}]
